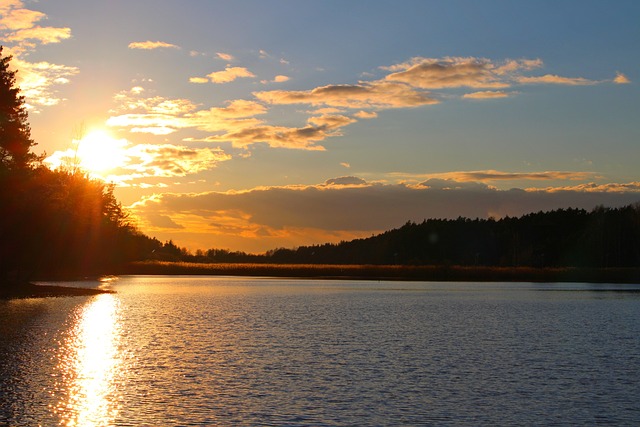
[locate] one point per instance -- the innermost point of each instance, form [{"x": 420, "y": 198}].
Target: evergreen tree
[{"x": 15, "y": 132}]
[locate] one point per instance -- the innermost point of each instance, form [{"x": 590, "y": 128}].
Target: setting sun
[
  {"x": 99, "y": 152},
  {"x": 95, "y": 153}
]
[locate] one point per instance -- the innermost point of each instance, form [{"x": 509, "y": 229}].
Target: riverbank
[
  {"x": 29, "y": 290},
  {"x": 391, "y": 272}
]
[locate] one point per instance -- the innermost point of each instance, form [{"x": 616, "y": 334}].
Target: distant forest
[{"x": 602, "y": 238}]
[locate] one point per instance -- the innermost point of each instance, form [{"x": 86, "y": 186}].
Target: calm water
[{"x": 197, "y": 351}]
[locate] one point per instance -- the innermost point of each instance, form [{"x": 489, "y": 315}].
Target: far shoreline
[
  {"x": 432, "y": 273},
  {"x": 389, "y": 272}
]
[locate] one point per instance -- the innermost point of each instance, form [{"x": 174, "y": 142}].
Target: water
[{"x": 199, "y": 351}]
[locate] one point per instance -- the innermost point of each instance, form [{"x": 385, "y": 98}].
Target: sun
[{"x": 99, "y": 152}]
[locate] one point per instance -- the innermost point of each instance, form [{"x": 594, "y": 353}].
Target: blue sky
[{"x": 251, "y": 125}]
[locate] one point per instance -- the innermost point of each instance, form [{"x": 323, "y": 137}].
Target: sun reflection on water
[{"x": 91, "y": 365}]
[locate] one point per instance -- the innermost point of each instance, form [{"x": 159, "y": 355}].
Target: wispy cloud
[
  {"x": 150, "y": 45},
  {"x": 487, "y": 94},
  {"x": 555, "y": 79},
  {"x": 493, "y": 175},
  {"x": 225, "y": 56}
]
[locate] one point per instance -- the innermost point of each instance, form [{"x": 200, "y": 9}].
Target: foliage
[
  {"x": 54, "y": 222},
  {"x": 15, "y": 132}
]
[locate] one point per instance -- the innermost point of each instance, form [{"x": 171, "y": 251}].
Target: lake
[{"x": 204, "y": 350}]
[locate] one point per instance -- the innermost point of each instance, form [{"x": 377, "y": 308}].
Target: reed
[{"x": 390, "y": 272}]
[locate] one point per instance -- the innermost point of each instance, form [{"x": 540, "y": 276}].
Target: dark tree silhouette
[
  {"x": 15, "y": 132},
  {"x": 54, "y": 223}
]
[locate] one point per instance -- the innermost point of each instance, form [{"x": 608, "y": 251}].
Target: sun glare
[{"x": 99, "y": 152}]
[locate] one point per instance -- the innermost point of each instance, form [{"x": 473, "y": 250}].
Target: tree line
[{"x": 602, "y": 238}]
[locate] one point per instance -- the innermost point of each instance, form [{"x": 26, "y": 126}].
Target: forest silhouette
[{"x": 63, "y": 224}]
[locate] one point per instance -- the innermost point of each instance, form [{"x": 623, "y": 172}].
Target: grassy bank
[{"x": 390, "y": 272}]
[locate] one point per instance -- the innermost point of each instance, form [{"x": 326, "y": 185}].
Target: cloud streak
[{"x": 151, "y": 45}]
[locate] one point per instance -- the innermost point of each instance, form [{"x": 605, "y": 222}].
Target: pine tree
[{"x": 15, "y": 132}]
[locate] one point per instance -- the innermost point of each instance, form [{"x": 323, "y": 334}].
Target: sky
[{"x": 251, "y": 125}]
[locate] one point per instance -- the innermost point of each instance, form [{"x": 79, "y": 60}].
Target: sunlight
[
  {"x": 91, "y": 366},
  {"x": 98, "y": 152}
]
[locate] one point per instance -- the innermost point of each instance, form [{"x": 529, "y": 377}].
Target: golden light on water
[{"x": 91, "y": 366}]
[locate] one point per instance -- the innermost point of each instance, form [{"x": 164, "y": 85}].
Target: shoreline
[
  {"x": 29, "y": 290},
  {"x": 23, "y": 290},
  {"x": 389, "y": 272}
]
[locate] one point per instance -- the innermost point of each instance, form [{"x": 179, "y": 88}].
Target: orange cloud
[
  {"x": 621, "y": 79},
  {"x": 229, "y": 74},
  {"x": 486, "y": 95},
  {"x": 38, "y": 80},
  {"x": 12, "y": 18},
  {"x": 493, "y": 175},
  {"x": 555, "y": 79},
  {"x": 365, "y": 95},
  {"x": 225, "y": 56},
  {"x": 150, "y": 45},
  {"x": 429, "y": 73}
]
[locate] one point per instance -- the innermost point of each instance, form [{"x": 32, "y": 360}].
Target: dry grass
[{"x": 390, "y": 272}]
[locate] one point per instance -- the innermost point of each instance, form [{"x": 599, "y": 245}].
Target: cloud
[
  {"x": 366, "y": 114},
  {"x": 410, "y": 84},
  {"x": 276, "y": 79},
  {"x": 487, "y": 94},
  {"x": 150, "y": 45},
  {"x": 229, "y": 74},
  {"x": 169, "y": 160},
  {"x": 162, "y": 221},
  {"x": 346, "y": 180},
  {"x": 13, "y": 17},
  {"x": 38, "y": 81},
  {"x": 592, "y": 187},
  {"x": 555, "y": 79},
  {"x": 20, "y": 33},
  {"x": 341, "y": 209},
  {"x": 365, "y": 95},
  {"x": 225, "y": 56},
  {"x": 306, "y": 137},
  {"x": 331, "y": 121},
  {"x": 236, "y": 123},
  {"x": 621, "y": 79},
  {"x": 430, "y": 73},
  {"x": 493, "y": 175},
  {"x": 19, "y": 26},
  {"x": 471, "y": 72}
]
